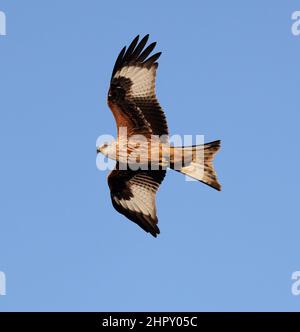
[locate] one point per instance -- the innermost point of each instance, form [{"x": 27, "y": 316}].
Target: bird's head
[{"x": 103, "y": 148}]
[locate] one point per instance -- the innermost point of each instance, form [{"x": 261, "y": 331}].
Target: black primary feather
[
  {"x": 137, "y": 54},
  {"x": 139, "y": 48}
]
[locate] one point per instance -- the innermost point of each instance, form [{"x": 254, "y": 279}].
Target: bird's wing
[
  {"x": 131, "y": 95},
  {"x": 133, "y": 195}
]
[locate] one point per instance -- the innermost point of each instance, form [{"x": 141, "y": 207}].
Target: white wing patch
[
  {"x": 143, "y": 190},
  {"x": 142, "y": 78},
  {"x": 143, "y": 200}
]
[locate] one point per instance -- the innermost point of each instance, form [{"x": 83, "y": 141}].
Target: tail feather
[{"x": 198, "y": 163}]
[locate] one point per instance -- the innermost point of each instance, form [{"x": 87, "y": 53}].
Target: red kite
[{"x": 133, "y": 102}]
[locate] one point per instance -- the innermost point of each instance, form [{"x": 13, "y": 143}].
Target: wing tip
[
  {"x": 137, "y": 53},
  {"x": 153, "y": 229}
]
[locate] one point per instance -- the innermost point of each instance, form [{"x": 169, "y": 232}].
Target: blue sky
[{"x": 229, "y": 70}]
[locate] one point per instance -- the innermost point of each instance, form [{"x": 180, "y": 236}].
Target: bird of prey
[{"x": 132, "y": 100}]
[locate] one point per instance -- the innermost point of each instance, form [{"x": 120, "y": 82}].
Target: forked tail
[{"x": 197, "y": 162}]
